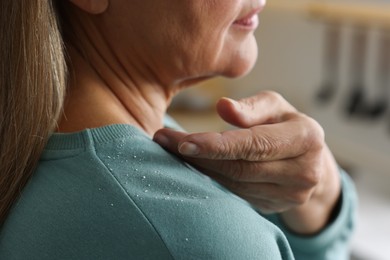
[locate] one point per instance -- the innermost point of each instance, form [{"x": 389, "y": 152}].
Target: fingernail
[
  {"x": 188, "y": 148},
  {"x": 161, "y": 140}
]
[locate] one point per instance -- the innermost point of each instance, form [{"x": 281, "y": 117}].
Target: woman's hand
[{"x": 277, "y": 159}]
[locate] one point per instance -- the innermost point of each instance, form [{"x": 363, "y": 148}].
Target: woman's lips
[{"x": 249, "y": 21}]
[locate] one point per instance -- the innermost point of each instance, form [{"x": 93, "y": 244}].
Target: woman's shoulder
[
  {"x": 127, "y": 196},
  {"x": 194, "y": 216}
]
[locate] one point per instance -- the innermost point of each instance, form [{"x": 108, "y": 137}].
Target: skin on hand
[{"x": 277, "y": 159}]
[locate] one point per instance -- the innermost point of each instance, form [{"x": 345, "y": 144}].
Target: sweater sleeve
[{"x": 333, "y": 242}]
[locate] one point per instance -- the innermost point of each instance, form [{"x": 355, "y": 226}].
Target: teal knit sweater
[{"x": 112, "y": 193}]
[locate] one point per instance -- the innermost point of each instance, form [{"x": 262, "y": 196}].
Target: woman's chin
[
  {"x": 240, "y": 68},
  {"x": 242, "y": 63},
  {"x": 240, "y": 71}
]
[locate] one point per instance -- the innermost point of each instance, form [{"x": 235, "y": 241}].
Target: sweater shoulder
[{"x": 127, "y": 197}]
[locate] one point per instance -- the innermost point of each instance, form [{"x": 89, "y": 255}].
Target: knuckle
[
  {"x": 222, "y": 149},
  {"x": 247, "y": 151},
  {"x": 272, "y": 95},
  {"x": 315, "y": 134},
  {"x": 311, "y": 178},
  {"x": 229, "y": 146},
  {"x": 265, "y": 146},
  {"x": 299, "y": 197}
]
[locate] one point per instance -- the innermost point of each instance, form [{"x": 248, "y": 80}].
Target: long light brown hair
[{"x": 32, "y": 86}]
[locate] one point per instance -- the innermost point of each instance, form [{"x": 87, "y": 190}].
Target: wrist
[{"x": 315, "y": 214}]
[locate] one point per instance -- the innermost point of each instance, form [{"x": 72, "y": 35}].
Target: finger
[
  {"x": 260, "y": 143},
  {"x": 169, "y": 139},
  {"x": 267, "y": 203},
  {"x": 277, "y": 194},
  {"x": 285, "y": 172},
  {"x": 265, "y": 107},
  {"x": 268, "y": 207}
]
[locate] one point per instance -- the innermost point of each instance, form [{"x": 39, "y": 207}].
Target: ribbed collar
[{"x": 83, "y": 139}]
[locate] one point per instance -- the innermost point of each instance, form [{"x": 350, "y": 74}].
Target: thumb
[
  {"x": 230, "y": 111},
  {"x": 264, "y": 108}
]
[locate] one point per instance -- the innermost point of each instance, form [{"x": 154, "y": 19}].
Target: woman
[{"x": 103, "y": 189}]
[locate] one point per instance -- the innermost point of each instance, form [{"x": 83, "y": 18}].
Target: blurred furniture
[
  {"x": 305, "y": 42},
  {"x": 362, "y": 13}
]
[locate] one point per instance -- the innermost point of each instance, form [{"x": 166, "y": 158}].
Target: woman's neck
[{"x": 101, "y": 93}]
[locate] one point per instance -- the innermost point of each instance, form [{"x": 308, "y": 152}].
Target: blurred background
[{"x": 331, "y": 60}]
